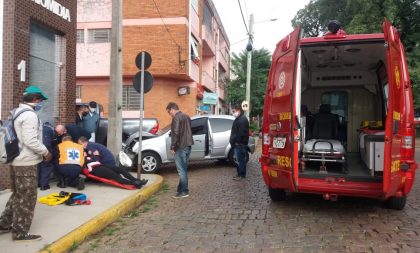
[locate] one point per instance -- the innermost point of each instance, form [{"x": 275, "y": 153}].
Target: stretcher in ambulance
[{"x": 338, "y": 117}]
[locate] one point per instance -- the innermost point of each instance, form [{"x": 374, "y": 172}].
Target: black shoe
[
  {"x": 81, "y": 184},
  {"x": 61, "y": 184},
  {"x": 138, "y": 184},
  {"x": 43, "y": 188},
  {"x": 27, "y": 238},
  {"x": 5, "y": 230},
  {"x": 180, "y": 195}
]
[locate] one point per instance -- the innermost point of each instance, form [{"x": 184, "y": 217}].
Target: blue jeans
[
  {"x": 181, "y": 160},
  {"x": 240, "y": 153}
]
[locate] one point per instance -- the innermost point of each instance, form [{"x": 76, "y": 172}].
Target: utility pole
[
  {"x": 115, "y": 88},
  {"x": 248, "y": 64}
]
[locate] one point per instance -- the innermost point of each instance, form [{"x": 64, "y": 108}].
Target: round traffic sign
[
  {"x": 148, "y": 81},
  {"x": 147, "y": 60}
]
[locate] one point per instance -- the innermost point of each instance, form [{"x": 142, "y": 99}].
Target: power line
[
  {"x": 164, "y": 24},
  {"x": 243, "y": 19}
]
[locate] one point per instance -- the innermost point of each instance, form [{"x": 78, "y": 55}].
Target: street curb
[{"x": 99, "y": 222}]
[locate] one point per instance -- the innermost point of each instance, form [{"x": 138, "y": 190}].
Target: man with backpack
[{"x": 18, "y": 214}]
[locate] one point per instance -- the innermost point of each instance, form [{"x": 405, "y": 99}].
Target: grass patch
[
  {"x": 132, "y": 214},
  {"x": 165, "y": 188},
  {"x": 148, "y": 205},
  {"x": 111, "y": 230},
  {"x": 74, "y": 246}
]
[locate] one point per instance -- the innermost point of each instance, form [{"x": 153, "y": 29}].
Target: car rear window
[{"x": 221, "y": 125}]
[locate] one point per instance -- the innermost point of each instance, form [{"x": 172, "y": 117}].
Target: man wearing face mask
[
  {"x": 91, "y": 120},
  {"x": 19, "y": 211},
  {"x": 81, "y": 111},
  {"x": 239, "y": 136}
]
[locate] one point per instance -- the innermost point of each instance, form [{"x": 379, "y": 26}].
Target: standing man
[
  {"x": 239, "y": 136},
  {"x": 81, "y": 111},
  {"x": 181, "y": 141},
  {"x": 91, "y": 121},
  {"x": 19, "y": 212}
]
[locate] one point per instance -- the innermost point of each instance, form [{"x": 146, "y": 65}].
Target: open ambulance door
[
  {"x": 395, "y": 107},
  {"x": 280, "y": 113}
]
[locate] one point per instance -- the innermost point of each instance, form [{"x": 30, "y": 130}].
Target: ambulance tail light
[
  {"x": 266, "y": 144},
  {"x": 407, "y": 150}
]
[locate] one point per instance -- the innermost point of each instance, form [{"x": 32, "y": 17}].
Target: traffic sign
[{"x": 148, "y": 81}]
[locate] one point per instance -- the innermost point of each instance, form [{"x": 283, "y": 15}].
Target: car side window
[
  {"x": 199, "y": 126},
  {"x": 221, "y": 125}
]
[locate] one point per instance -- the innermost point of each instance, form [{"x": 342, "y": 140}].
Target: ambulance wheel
[
  {"x": 396, "y": 203},
  {"x": 277, "y": 194},
  {"x": 232, "y": 158}
]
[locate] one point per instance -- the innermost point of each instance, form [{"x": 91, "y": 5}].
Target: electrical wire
[
  {"x": 243, "y": 19},
  {"x": 164, "y": 24}
]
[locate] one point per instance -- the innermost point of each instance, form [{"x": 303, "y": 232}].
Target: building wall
[{"x": 17, "y": 17}]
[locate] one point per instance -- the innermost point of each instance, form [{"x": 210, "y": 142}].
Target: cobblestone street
[{"x": 222, "y": 215}]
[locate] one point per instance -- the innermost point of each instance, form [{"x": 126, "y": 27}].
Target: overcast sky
[{"x": 266, "y": 33}]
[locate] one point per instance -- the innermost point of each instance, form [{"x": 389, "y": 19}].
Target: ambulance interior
[{"x": 343, "y": 102}]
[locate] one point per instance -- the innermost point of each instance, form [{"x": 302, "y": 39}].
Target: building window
[
  {"x": 194, "y": 4},
  {"x": 78, "y": 92},
  {"x": 80, "y": 36},
  {"x": 99, "y": 35},
  {"x": 130, "y": 98},
  {"x": 194, "y": 50}
]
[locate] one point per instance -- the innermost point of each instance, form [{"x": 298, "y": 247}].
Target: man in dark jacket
[
  {"x": 45, "y": 168},
  {"x": 239, "y": 136},
  {"x": 181, "y": 141}
]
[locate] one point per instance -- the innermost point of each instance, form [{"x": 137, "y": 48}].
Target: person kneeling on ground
[
  {"x": 71, "y": 161},
  {"x": 112, "y": 172},
  {"x": 101, "y": 153}
]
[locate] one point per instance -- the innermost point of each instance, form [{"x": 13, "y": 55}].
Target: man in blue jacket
[{"x": 91, "y": 120}]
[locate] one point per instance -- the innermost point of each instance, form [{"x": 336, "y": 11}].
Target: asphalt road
[{"x": 222, "y": 215}]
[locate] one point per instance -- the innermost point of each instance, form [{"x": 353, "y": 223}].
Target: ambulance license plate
[{"x": 279, "y": 142}]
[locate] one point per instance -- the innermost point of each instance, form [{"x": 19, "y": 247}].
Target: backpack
[{"x": 9, "y": 144}]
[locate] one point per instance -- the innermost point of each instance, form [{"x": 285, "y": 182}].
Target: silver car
[{"x": 211, "y": 135}]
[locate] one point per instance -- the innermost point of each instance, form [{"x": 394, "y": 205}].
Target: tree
[{"x": 261, "y": 61}]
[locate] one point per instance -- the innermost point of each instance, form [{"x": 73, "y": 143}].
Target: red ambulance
[{"x": 338, "y": 117}]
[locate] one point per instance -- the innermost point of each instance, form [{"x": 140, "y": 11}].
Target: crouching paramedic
[{"x": 71, "y": 159}]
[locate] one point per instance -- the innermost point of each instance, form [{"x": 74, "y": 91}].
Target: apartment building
[
  {"x": 37, "y": 47},
  {"x": 188, "y": 45}
]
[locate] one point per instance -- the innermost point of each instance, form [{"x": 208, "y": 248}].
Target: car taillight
[{"x": 155, "y": 129}]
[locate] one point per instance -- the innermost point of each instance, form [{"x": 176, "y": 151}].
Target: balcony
[
  {"x": 209, "y": 46},
  {"x": 209, "y": 82}
]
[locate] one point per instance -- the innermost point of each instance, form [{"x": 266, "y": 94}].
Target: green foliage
[
  {"x": 367, "y": 16},
  {"x": 236, "y": 88}
]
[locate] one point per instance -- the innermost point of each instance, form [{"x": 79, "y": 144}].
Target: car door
[
  {"x": 219, "y": 135},
  {"x": 199, "y": 131},
  {"x": 397, "y": 108}
]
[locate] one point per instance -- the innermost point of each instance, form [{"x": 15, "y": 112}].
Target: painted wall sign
[{"x": 55, "y": 8}]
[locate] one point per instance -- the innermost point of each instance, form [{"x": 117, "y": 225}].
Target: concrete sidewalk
[{"x": 61, "y": 226}]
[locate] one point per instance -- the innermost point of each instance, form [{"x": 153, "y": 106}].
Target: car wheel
[
  {"x": 232, "y": 158},
  {"x": 277, "y": 194},
  {"x": 396, "y": 203},
  {"x": 150, "y": 162}
]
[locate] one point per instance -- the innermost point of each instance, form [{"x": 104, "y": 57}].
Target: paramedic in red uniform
[{"x": 239, "y": 140}]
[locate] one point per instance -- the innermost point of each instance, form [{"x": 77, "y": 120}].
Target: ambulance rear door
[
  {"x": 281, "y": 109},
  {"x": 395, "y": 107}
]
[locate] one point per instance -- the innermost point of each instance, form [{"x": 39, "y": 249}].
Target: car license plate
[{"x": 279, "y": 142}]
